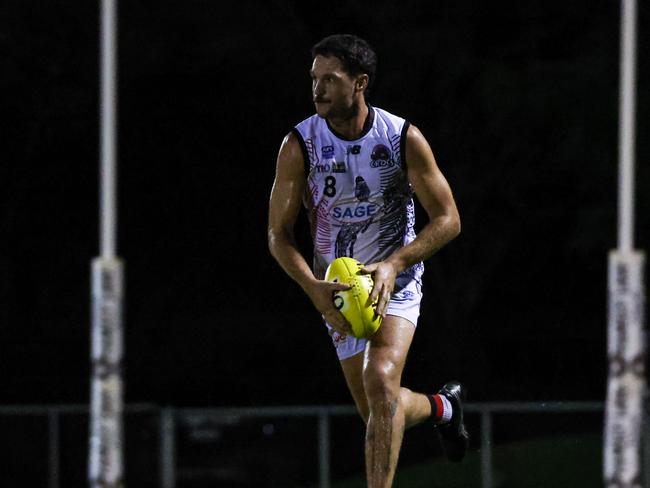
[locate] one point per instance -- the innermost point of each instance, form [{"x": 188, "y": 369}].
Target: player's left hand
[{"x": 383, "y": 274}]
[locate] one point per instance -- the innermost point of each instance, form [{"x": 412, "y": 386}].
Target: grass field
[{"x": 569, "y": 462}]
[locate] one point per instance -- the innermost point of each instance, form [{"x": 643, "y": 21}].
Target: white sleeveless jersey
[{"x": 358, "y": 197}]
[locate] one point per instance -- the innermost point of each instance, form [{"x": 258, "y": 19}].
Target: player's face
[{"x": 333, "y": 89}]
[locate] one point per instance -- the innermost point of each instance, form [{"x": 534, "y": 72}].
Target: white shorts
[{"x": 404, "y": 303}]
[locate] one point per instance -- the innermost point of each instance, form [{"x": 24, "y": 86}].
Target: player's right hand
[{"x": 321, "y": 294}]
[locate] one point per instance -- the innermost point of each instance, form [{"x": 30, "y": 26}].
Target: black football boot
[{"x": 455, "y": 438}]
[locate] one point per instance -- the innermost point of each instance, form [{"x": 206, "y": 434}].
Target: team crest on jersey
[{"x": 381, "y": 157}]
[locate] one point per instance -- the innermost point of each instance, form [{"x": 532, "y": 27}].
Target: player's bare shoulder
[
  {"x": 290, "y": 156},
  {"x": 288, "y": 186},
  {"x": 418, "y": 150}
]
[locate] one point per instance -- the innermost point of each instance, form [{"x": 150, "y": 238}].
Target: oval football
[{"x": 352, "y": 302}]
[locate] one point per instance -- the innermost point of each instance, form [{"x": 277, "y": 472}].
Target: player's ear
[{"x": 362, "y": 82}]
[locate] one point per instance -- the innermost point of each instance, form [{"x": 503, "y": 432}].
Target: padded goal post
[
  {"x": 626, "y": 340},
  {"x": 105, "y": 444}
]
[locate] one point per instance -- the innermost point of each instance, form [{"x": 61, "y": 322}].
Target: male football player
[{"x": 356, "y": 167}]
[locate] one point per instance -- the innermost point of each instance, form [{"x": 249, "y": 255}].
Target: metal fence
[{"x": 169, "y": 418}]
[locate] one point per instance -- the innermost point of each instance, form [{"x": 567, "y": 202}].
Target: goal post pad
[
  {"x": 626, "y": 376},
  {"x": 105, "y": 466}
]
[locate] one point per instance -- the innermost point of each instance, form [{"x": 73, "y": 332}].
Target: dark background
[{"x": 519, "y": 101}]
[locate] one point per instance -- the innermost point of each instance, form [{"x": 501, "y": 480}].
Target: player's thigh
[
  {"x": 385, "y": 355},
  {"x": 353, "y": 372},
  {"x": 386, "y": 352}
]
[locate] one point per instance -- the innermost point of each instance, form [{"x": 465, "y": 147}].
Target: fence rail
[{"x": 169, "y": 417}]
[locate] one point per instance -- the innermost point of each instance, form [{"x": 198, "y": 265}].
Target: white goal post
[
  {"x": 105, "y": 453},
  {"x": 626, "y": 385}
]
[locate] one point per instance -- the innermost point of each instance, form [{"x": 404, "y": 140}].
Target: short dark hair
[{"x": 355, "y": 54}]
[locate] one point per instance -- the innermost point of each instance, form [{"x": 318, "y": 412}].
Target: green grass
[{"x": 569, "y": 462}]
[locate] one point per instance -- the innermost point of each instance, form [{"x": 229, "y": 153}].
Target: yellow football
[{"x": 352, "y": 302}]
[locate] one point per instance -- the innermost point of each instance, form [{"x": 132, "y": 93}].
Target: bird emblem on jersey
[{"x": 361, "y": 189}]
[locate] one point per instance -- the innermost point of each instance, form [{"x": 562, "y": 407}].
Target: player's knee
[{"x": 381, "y": 382}]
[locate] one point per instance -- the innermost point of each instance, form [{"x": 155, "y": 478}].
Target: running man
[{"x": 356, "y": 167}]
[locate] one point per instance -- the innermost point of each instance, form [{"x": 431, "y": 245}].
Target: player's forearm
[
  {"x": 283, "y": 248},
  {"x": 434, "y": 236}
]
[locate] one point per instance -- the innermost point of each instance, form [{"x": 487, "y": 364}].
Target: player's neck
[{"x": 351, "y": 127}]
